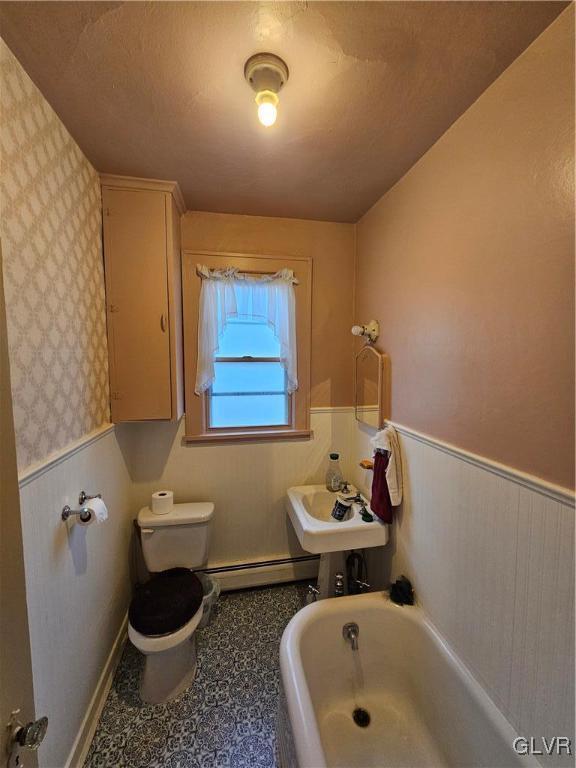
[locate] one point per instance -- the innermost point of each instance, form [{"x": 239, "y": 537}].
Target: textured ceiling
[{"x": 157, "y": 90}]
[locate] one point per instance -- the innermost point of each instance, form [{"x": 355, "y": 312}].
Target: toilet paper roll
[
  {"x": 99, "y": 512},
  {"x": 162, "y": 502}
]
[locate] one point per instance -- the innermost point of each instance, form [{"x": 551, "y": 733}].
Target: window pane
[
  {"x": 248, "y": 337},
  {"x": 248, "y": 378},
  {"x": 248, "y": 410},
  {"x": 249, "y": 395}
]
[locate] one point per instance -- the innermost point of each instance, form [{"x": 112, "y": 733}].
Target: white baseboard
[
  {"x": 85, "y": 735},
  {"x": 275, "y": 573}
]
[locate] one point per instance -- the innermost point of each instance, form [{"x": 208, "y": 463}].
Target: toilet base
[{"x": 168, "y": 673}]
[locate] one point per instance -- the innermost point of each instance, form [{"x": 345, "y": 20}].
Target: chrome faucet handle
[
  {"x": 345, "y": 486},
  {"x": 312, "y": 594}
]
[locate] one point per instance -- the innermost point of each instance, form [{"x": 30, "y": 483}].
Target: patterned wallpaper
[{"x": 50, "y": 224}]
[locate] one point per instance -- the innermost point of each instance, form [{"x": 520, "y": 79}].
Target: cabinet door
[
  {"x": 137, "y": 304},
  {"x": 175, "y": 307}
]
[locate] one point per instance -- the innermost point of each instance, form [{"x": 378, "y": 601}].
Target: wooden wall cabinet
[{"x": 141, "y": 222}]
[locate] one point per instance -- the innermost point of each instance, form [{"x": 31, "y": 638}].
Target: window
[
  {"x": 250, "y": 387},
  {"x": 247, "y": 370}
]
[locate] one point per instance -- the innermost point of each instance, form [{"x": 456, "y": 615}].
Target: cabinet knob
[{"x": 163, "y": 322}]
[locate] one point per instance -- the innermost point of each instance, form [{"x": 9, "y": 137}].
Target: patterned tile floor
[{"x": 226, "y": 719}]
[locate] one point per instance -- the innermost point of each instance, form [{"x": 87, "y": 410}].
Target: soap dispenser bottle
[{"x": 333, "y": 475}]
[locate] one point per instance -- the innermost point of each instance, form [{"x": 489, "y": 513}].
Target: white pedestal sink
[{"x": 309, "y": 508}]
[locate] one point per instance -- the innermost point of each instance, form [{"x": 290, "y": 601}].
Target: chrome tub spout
[{"x": 350, "y": 633}]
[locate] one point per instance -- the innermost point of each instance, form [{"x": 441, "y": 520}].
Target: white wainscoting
[
  {"x": 247, "y": 481},
  {"x": 77, "y": 581},
  {"x": 491, "y": 557}
]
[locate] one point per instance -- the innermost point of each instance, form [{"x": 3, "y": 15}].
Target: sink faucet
[{"x": 350, "y": 633}]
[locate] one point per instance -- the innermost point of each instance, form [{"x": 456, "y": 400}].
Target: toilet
[{"x": 166, "y": 610}]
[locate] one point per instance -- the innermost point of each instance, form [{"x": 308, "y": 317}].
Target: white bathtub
[{"x": 425, "y": 707}]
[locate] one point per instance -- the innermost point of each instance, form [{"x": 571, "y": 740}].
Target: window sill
[{"x": 249, "y": 436}]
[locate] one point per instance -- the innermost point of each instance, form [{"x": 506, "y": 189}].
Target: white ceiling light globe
[{"x": 266, "y": 74}]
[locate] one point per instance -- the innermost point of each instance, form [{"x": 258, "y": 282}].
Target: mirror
[{"x": 370, "y": 387}]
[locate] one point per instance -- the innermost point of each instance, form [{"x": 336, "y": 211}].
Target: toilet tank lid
[{"x": 180, "y": 514}]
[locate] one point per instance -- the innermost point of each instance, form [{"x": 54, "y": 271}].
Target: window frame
[{"x": 197, "y": 414}]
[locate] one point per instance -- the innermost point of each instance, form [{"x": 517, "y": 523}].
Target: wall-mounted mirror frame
[{"x": 371, "y": 387}]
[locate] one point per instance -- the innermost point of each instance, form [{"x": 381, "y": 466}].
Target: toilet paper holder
[
  {"x": 84, "y": 513},
  {"x": 84, "y": 497}
]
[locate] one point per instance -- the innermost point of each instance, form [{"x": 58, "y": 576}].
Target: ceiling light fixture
[{"x": 266, "y": 74}]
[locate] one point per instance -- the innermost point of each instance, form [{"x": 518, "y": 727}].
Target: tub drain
[{"x": 361, "y": 717}]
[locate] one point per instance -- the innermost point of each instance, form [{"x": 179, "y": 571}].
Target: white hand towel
[{"x": 387, "y": 440}]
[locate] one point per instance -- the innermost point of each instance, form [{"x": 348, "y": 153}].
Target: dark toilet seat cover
[{"x": 166, "y": 602}]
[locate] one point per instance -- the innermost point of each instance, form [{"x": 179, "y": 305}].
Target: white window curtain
[{"x": 229, "y": 293}]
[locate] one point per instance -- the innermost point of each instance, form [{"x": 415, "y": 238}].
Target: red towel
[{"x": 380, "y": 503}]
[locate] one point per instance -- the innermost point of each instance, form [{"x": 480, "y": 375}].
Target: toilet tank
[{"x": 178, "y": 539}]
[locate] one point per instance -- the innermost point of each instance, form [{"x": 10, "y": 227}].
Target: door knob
[
  {"x": 163, "y": 322},
  {"x": 28, "y": 736}
]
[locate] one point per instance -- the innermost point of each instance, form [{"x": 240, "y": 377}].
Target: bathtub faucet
[{"x": 350, "y": 633}]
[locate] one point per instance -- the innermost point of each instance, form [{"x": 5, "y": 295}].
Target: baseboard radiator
[{"x": 259, "y": 573}]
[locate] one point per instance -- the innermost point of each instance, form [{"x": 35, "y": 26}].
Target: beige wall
[
  {"x": 50, "y": 225},
  {"x": 331, "y": 247},
  {"x": 250, "y": 523},
  {"x": 468, "y": 265}
]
